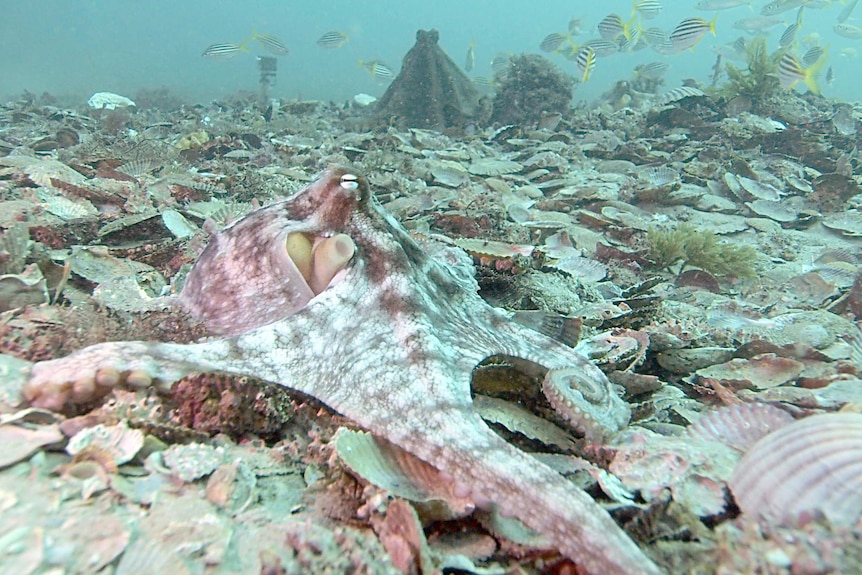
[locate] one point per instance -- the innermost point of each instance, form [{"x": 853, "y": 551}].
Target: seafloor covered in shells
[{"x": 708, "y": 256}]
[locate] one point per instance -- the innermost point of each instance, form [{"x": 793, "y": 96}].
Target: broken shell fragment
[
  {"x": 118, "y": 440},
  {"x": 811, "y": 465},
  {"x": 192, "y": 461},
  {"x": 108, "y": 101},
  {"x": 18, "y": 443}
]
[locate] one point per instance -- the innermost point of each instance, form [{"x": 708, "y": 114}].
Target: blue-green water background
[{"x": 72, "y": 49}]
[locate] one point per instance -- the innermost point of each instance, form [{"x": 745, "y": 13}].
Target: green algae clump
[
  {"x": 691, "y": 247},
  {"x": 760, "y": 80},
  {"x": 528, "y": 88}
]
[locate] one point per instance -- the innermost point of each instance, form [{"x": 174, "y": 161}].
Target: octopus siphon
[{"x": 327, "y": 294}]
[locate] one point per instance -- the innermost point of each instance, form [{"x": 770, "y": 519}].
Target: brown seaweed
[{"x": 431, "y": 91}]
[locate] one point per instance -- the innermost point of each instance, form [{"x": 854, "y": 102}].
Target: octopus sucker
[{"x": 390, "y": 345}]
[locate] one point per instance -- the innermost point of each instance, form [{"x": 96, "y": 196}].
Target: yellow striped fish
[
  {"x": 586, "y": 61},
  {"x": 791, "y": 72},
  {"x": 648, "y": 9},
  {"x": 333, "y": 39},
  {"x": 224, "y": 50},
  {"x": 690, "y": 31},
  {"x": 270, "y": 43}
]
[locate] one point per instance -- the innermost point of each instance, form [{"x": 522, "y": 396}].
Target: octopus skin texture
[{"x": 390, "y": 343}]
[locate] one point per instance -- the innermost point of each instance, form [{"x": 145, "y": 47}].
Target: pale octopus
[{"x": 327, "y": 294}]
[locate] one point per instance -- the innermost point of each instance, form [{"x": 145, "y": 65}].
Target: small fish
[
  {"x": 470, "y": 60},
  {"x": 812, "y": 55},
  {"x": 717, "y": 69},
  {"x": 791, "y": 71},
  {"x": 603, "y": 48},
  {"x": 224, "y": 51},
  {"x": 333, "y": 39},
  {"x": 713, "y": 5},
  {"x": 757, "y": 23},
  {"x": 612, "y": 27},
  {"x": 648, "y": 9},
  {"x": 848, "y": 31},
  {"x": 552, "y": 42},
  {"x": 500, "y": 65},
  {"x": 691, "y": 31},
  {"x": 788, "y": 37},
  {"x": 780, "y": 6},
  {"x": 845, "y": 14},
  {"x": 830, "y": 76},
  {"x": 575, "y": 25},
  {"x": 586, "y": 62},
  {"x": 810, "y": 40},
  {"x": 270, "y": 43},
  {"x": 652, "y": 70},
  {"x": 377, "y": 69},
  {"x": 850, "y": 53},
  {"x": 633, "y": 43},
  {"x": 819, "y": 4},
  {"x": 655, "y": 36}
]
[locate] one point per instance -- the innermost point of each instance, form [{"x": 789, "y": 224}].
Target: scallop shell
[
  {"x": 121, "y": 442},
  {"x": 42, "y": 171},
  {"x": 64, "y": 208},
  {"x": 659, "y": 176},
  {"x": 680, "y": 93},
  {"x": 764, "y": 371},
  {"x": 585, "y": 269},
  {"x": 848, "y": 223},
  {"x": 772, "y": 210},
  {"x": 760, "y": 190},
  {"x": 403, "y": 475},
  {"x": 494, "y": 167},
  {"x": 812, "y": 465},
  {"x": 740, "y": 426}
]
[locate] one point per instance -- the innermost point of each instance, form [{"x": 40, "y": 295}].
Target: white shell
[
  {"x": 364, "y": 99},
  {"x": 493, "y": 167},
  {"x": 811, "y": 465},
  {"x": 119, "y": 440},
  {"x": 108, "y": 100}
]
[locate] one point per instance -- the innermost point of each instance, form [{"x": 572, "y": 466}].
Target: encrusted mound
[
  {"x": 431, "y": 91},
  {"x": 530, "y": 87}
]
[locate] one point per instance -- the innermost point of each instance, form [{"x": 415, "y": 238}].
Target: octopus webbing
[{"x": 327, "y": 294}]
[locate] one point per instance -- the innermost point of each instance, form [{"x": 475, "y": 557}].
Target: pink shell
[
  {"x": 811, "y": 465},
  {"x": 740, "y": 426}
]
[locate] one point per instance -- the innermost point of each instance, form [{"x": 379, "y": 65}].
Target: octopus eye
[{"x": 349, "y": 181}]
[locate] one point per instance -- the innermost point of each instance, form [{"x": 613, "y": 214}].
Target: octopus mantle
[{"x": 390, "y": 341}]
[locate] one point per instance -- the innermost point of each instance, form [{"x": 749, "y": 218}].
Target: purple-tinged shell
[
  {"x": 740, "y": 426},
  {"x": 813, "y": 465}
]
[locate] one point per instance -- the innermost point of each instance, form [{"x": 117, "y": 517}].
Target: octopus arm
[{"x": 520, "y": 486}]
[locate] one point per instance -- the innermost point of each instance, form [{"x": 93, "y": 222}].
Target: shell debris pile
[{"x": 104, "y": 211}]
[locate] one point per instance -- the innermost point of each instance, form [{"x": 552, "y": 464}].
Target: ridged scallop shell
[
  {"x": 812, "y": 465},
  {"x": 121, "y": 442},
  {"x": 740, "y": 426},
  {"x": 403, "y": 475},
  {"x": 494, "y": 167}
]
